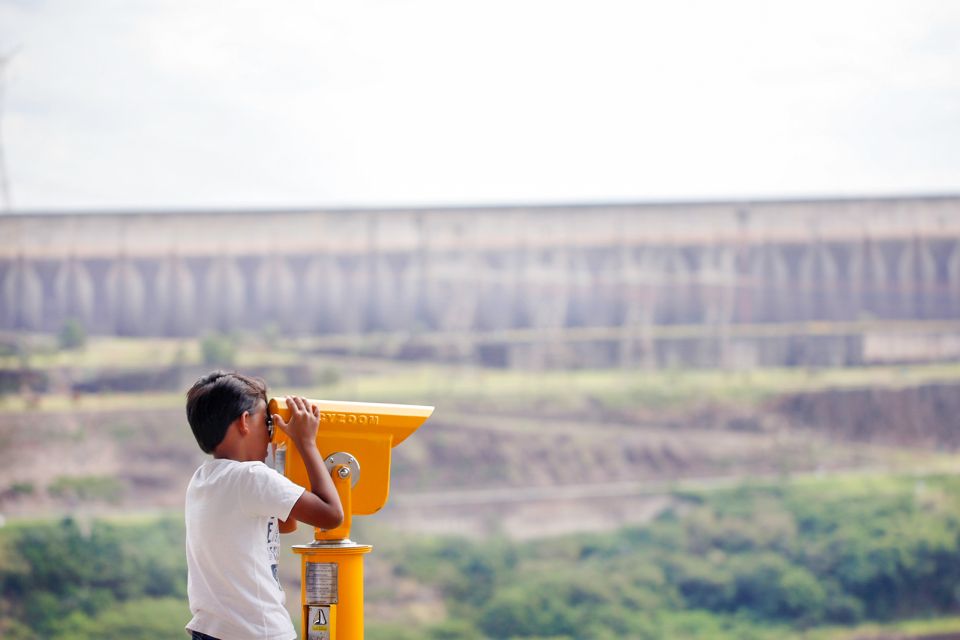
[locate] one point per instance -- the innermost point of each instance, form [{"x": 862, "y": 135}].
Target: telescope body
[{"x": 355, "y": 439}]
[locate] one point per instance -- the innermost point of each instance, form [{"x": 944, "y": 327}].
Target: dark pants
[{"x": 196, "y": 635}]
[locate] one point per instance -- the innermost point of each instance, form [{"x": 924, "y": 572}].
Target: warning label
[
  {"x": 319, "y": 625},
  {"x": 321, "y": 583}
]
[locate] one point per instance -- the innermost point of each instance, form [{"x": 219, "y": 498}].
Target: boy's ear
[{"x": 243, "y": 423}]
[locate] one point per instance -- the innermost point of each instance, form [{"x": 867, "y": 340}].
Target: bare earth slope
[{"x": 557, "y": 474}]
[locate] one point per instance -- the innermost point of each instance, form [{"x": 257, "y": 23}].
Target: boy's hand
[
  {"x": 320, "y": 506},
  {"x": 304, "y": 421}
]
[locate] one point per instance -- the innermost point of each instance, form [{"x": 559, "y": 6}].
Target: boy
[{"x": 233, "y": 502}]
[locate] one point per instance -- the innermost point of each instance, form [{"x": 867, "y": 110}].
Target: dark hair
[{"x": 216, "y": 400}]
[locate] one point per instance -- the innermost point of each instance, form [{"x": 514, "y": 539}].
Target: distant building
[{"x": 707, "y": 283}]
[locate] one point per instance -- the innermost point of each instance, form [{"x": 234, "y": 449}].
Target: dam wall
[{"x": 627, "y": 272}]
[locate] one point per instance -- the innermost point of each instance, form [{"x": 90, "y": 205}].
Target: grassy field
[{"x": 372, "y": 380}]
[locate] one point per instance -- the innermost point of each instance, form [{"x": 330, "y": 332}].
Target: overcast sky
[{"x": 197, "y": 104}]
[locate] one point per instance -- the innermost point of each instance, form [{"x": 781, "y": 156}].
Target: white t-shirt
[{"x": 233, "y": 547}]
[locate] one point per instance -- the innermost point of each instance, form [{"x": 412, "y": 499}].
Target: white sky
[{"x": 198, "y": 104}]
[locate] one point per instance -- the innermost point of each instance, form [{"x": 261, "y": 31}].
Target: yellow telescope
[{"x": 355, "y": 440}]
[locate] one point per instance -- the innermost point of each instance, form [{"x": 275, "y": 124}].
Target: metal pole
[{"x": 4, "y": 180}]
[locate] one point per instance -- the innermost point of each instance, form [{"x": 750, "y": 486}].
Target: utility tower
[{"x": 5, "y": 198}]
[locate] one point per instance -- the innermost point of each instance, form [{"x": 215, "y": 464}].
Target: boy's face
[{"x": 263, "y": 427}]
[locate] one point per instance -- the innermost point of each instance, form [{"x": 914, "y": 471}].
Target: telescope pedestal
[{"x": 331, "y": 589}]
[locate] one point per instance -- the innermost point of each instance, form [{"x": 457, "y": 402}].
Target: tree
[
  {"x": 72, "y": 335},
  {"x": 218, "y": 350}
]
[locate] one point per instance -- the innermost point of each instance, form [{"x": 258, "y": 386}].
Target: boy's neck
[
  {"x": 233, "y": 455},
  {"x": 234, "y": 447}
]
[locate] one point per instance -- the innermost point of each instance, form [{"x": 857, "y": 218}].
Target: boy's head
[{"x": 216, "y": 400}]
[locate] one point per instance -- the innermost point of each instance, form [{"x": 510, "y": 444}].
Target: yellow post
[
  {"x": 352, "y": 436},
  {"x": 332, "y": 593},
  {"x": 331, "y": 576}
]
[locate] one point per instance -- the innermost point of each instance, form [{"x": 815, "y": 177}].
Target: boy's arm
[{"x": 320, "y": 506}]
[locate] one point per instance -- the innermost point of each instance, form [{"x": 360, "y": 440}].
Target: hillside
[{"x": 614, "y": 460}]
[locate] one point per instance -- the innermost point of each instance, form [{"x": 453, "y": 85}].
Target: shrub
[
  {"x": 112, "y": 581},
  {"x": 218, "y": 350},
  {"x": 18, "y": 489},
  {"x": 87, "y": 488},
  {"x": 72, "y": 335}
]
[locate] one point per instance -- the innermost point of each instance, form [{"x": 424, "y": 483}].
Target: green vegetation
[
  {"x": 114, "y": 581},
  {"x": 820, "y": 559},
  {"x": 799, "y": 560},
  {"x": 20, "y": 489},
  {"x": 814, "y": 559},
  {"x": 72, "y": 335},
  {"x": 87, "y": 488},
  {"x": 354, "y": 378},
  {"x": 548, "y": 391},
  {"x": 101, "y": 352},
  {"x": 218, "y": 350}
]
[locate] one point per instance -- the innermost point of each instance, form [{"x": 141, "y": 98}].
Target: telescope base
[{"x": 331, "y": 589}]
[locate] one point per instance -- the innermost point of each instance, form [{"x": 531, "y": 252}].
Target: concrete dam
[{"x": 726, "y": 283}]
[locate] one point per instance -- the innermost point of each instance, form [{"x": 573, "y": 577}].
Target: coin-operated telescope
[{"x": 355, "y": 440}]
